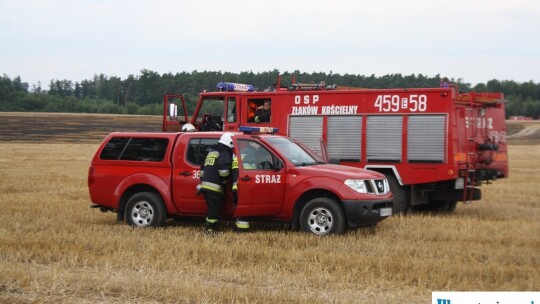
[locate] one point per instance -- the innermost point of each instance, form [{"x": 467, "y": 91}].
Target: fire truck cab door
[
  {"x": 261, "y": 180},
  {"x": 231, "y": 114},
  {"x": 176, "y": 113}
]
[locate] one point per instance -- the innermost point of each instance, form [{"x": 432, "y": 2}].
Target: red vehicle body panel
[
  {"x": 268, "y": 193},
  {"x": 465, "y": 133}
]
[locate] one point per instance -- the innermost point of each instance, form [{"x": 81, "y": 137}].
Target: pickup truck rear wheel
[
  {"x": 322, "y": 216},
  {"x": 145, "y": 209}
]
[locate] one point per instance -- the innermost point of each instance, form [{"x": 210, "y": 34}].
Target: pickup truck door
[
  {"x": 190, "y": 153},
  {"x": 261, "y": 180}
]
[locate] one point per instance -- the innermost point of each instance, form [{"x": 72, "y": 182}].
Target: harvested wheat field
[{"x": 55, "y": 249}]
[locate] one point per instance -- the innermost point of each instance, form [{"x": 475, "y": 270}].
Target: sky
[{"x": 472, "y": 40}]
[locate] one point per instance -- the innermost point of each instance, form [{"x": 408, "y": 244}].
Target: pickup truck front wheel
[
  {"x": 145, "y": 209},
  {"x": 322, "y": 216}
]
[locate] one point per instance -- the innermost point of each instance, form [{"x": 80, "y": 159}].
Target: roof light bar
[
  {"x": 266, "y": 130},
  {"x": 235, "y": 87}
]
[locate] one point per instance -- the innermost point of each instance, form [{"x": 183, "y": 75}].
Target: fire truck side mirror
[{"x": 173, "y": 111}]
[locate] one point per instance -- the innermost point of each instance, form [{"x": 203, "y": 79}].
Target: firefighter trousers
[{"x": 214, "y": 200}]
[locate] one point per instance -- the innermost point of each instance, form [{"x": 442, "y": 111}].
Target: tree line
[{"x": 143, "y": 94}]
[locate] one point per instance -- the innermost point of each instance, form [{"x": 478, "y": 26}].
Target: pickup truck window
[
  {"x": 114, "y": 148},
  {"x": 198, "y": 148},
  {"x": 255, "y": 156},
  {"x": 293, "y": 152},
  {"x": 135, "y": 149}
]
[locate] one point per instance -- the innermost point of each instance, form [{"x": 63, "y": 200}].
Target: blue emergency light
[
  {"x": 235, "y": 87},
  {"x": 267, "y": 130}
]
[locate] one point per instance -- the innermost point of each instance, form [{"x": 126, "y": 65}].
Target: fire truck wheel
[
  {"x": 444, "y": 206},
  {"x": 322, "y": 216},
  {"x": 451, "y": 206},
  {"x": 145, "y": 209},
  {"x": 401, "y": 205}
]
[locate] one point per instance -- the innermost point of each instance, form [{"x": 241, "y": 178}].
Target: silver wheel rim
[
  {"x": 320, "y": 221},
  {"x": 142, "y": 213}
]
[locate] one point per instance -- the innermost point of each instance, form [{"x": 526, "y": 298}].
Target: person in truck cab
[
  {"x": 219, "y": 165},
  {"x": 263, "y": 112}
]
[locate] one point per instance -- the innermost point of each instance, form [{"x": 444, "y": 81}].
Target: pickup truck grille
[{"x": 377, "y": 186}]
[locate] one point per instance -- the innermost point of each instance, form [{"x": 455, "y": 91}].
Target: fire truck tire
[
  {"x": 451, "y": 206},
  {"x": 445, "y": 206},
  {"x": 401, "y": 204},
  {"x": 145, "y": 209},
  {"x": 323, "y": 216}
]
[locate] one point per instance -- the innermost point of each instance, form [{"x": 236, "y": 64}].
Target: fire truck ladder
[
  {"x": 470, "y": 176},
  {"x": 311, "y": 86}
]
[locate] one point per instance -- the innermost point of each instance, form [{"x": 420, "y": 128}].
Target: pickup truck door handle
[
  {"x": 185, "y": 173},
  {"x": 246, "y": 178}
]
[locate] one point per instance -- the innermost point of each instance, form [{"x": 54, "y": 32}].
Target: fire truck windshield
[
  {"x": 212, "y": 106},
  {"x": 209, "y": 117},
  {"x": 294, "y": 152}
]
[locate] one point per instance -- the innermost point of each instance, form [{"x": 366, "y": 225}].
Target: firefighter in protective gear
[
  {"x": 219, "y": 165},
  {"x": 241, "y": 224},
  {"x": 263, "y": 112}
]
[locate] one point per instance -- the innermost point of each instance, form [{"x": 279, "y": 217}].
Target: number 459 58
[{"x": 395, "y": 103}]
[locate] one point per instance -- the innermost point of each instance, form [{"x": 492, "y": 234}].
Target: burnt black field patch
[
  {"x": 87, "y": 128},
  {"x": 80, "y": 128}
]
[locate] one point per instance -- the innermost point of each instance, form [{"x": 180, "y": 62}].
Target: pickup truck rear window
[
  {"x": 198, "y": 148},
  {"x": 135, "y": 149}
]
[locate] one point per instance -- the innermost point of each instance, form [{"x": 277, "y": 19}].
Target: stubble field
[{"x": 55, "y": 249}]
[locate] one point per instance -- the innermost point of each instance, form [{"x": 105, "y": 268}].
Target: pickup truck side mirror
[{"x": 279, "y": 165}]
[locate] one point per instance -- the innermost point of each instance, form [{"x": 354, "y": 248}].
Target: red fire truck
[{"x": 435, "y": 145}]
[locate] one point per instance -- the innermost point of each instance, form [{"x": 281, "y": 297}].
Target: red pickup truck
[{"x": 148, "y": 177}]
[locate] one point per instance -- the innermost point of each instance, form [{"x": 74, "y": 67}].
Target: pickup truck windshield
[{"x": 294, "y": 152}]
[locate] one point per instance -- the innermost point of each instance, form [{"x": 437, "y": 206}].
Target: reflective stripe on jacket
[
  {"x": 216, "y": 169},
  {"x": 234, "y": 173}
]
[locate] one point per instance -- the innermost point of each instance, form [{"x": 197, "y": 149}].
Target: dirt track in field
[
  {"x": 69, "y": 127},
  {"x": 523, "y": 132}
]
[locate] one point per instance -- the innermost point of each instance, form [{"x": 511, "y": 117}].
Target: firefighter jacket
[
  {"x": 262, "y": 115},
  {"x": 217, "y": 168}
]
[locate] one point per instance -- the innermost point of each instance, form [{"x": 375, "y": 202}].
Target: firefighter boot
[
  {"x": 211, "y": 226},
  {"x": 241, "y": 226}
]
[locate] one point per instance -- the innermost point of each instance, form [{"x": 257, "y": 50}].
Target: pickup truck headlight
[{"x": 357, "y": 185}]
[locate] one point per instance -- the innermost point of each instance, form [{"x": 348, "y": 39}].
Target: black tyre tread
[
  {"x": 340, "y": 223},
  {"x": 157, "y": 203},
  {"x": 401, "y": 204}
]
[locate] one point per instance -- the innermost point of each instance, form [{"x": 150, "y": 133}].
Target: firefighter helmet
[
  {"x": 226, "y": 139},
  {"x": 188, "y": 128}
]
